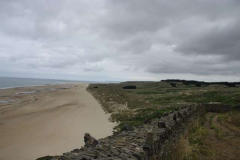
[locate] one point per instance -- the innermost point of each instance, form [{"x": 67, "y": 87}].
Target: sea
[{"x": 10, "y": 82}]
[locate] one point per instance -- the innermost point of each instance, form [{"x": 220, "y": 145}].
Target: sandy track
[{"x": 48, "y": 122}]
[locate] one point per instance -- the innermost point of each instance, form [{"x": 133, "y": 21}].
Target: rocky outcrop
[
  {"x": 149, "y": 141},
  {"x": 89, "y": 140}
]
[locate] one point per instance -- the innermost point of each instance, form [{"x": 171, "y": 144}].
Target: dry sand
[{"x": 48, "y": 120}]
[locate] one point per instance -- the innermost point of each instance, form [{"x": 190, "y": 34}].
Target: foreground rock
[
  {"x": 89, "y": 140},
  {"x": 145, "y": 142}
]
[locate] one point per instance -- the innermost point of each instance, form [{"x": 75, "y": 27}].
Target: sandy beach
[{"x": 48, "y": 120}]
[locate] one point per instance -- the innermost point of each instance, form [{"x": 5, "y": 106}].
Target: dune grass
[{"x": 152, "y": 99}]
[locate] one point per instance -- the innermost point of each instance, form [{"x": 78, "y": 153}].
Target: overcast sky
[{"x": 120, "y": 39}]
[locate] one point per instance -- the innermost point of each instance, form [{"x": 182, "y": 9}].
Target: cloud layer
[{"x": 120, "y": 40}]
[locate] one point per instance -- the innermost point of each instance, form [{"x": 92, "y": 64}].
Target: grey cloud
[
  {"x": 196, "y": 68},
  {"x": 188, "y": 28},
  {"x": 119, "y": 39},
  {"x": 46, "y": 19},
  {"x": 223, "y": 41},
  {"x": 130, "y": 17}
]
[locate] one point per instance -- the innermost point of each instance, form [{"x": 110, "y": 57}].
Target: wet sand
[{"x": 48, "y": 120}]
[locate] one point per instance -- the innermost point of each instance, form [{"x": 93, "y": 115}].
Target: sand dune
[{"x": 51, "y": 120}]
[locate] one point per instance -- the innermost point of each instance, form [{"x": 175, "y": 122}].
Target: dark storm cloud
[
  {"x": 219, "y": 40},
  {"x": 187, "y": 28},
  {"x": 131, "y": 17},
  {"x": 133, "y": 39}
]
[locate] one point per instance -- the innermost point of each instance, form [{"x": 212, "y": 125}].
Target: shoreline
[
  {"x": 41, "y": 85},
  {"x": 25, "y": 86},
  {"x": 50, "y": 121}
]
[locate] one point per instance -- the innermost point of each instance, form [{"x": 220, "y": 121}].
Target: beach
[{"x": 48, "y": 120}]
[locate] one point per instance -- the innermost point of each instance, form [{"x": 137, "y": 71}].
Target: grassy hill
[{"x": 214, "y": 136}]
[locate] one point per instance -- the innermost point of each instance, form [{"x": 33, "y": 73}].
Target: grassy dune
[
  {"x": 152, "y": 98},
  {"x": 155, "y": 94},
  {"x": 215, "y": 136}
]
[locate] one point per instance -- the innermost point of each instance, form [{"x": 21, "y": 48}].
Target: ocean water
[{"x": 6, "y": 82}]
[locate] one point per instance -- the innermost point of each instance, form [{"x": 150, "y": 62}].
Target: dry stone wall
[{"x": 150, "y": 141}]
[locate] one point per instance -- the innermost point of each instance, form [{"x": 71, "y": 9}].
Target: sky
[{"x": 120, "y": 40}]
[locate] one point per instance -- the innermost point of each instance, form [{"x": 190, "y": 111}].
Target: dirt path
[
  {"x": 222, "y": 140},
  {"x": 49, "y": 122}
]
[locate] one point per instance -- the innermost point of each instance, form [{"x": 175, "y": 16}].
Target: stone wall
[
  {"x": 150, "y": 141},
  {"x": 217, "y": 108}
]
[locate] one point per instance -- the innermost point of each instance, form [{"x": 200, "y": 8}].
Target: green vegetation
[
  {"x": 199, "y": 149},
  {"x": 132, "y": 107},
  {"x": 212, "y": 137},
  {"x": 128, "y": 119},
  {"x": 232, "y": 118},
  {"x": 156, "y": 94}
]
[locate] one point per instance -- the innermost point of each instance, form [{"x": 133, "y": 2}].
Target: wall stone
[
  {"x": 150, "y": 141},
  {"x": 217, "y": 108}
]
